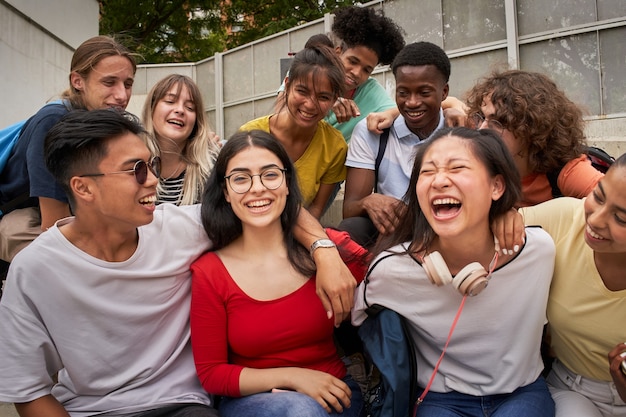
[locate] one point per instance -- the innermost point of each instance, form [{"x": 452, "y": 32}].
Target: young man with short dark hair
[{"x": 422, "y": 71}]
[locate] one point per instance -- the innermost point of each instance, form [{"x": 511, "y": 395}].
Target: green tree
[
  {"x": 165, "y": 30},
  {"x": 259, "y": 18},
  {"x": 190, "y": 30}
]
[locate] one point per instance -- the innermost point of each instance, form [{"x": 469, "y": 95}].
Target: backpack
[
  {"x": 599, "y": 159},
  {"x": 8, "y": 138},
  {"x": 390, "y": 351}
]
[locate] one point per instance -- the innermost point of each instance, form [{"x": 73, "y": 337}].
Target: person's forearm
[
  {"x": 334, "y": 281},
  {"x": 354, "y": 208},
  {"x": 44, "y": 406},
  {"x": 308, "y": 229}
]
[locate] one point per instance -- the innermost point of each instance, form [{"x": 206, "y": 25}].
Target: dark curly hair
[
  {"x": 423, "y": 53},
  {"x": 537, "y": 112},
  {"x": 364, "y": 26}
]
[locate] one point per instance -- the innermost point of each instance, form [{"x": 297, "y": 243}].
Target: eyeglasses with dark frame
[
  {"x": 241, "y": 182},
  {"x": 478, "y": 120},
  {"x": 140, "y": 170}
]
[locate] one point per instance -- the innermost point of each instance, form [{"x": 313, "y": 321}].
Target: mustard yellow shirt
[{"x": 323, "y": 161}]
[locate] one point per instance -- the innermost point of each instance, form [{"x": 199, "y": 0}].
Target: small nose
[
  {"x": 258, "y": 184},
  {"x": 440, "y": 179},
  {"x": 413, "y": 99},
  {"x": 598, "y": 218}
]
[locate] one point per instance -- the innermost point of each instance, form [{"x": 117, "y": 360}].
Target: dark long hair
[
  {"x": 319, "y": 61},
  {"x": 220, "y": 222},
  {"x": 490, "y": 150}
]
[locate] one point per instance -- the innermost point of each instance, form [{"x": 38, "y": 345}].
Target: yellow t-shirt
[
  {"x": 585, "y": 318},
  {"x": 323, "y": 161}
]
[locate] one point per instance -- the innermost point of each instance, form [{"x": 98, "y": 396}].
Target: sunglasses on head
[{"x": 140, "y": 170}]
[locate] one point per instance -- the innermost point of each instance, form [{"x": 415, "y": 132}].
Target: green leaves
[{"x": 187, "y": 30}]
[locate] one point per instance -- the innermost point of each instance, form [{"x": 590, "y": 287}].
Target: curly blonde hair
[
  {"x": 537, "y": 112},
  {"x": 200, "y": 150}
]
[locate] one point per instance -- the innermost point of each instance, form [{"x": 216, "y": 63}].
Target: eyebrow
[{"x": 263, "y": 168}]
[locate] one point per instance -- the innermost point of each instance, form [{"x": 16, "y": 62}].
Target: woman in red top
[{"x": 260, "y": 335}]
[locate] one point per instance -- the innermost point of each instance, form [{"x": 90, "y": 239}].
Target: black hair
[
  {"x": 318, "y": 61},
  {"x": 220, "y": 222},
  {"x": 317, "y": 40},
  {"x": 423, "y": 53},
  {"x": 490, "y": 150},
  {"x": 366, "y": 26},
  {"x": 78, "y": 142}
]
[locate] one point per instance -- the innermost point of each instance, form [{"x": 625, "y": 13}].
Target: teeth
[
  {"x": 148, "y": 200},
  {"x": 414, "y": 113},
  {"x": 176, "y": 122},
  {"x": 448, "y": 201},
  {"x": 259, "y": 203},
  {"x": 305, "y": 114},
  {"x": 593, "y": 234}
]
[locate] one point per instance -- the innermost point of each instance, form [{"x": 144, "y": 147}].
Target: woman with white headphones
[{"x": 440, "y": 257}]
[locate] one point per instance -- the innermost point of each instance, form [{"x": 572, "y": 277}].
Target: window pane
[
  {"x": 266, "y": 62},
  {"x": 572, "y": 62},
  {"x": 205, "y": 73},
  {"x": 609, "y": 9},
  {"x": 238, "y": 74},
  {"x": 534, "y": 16},
  {"x": 613, "y": 51},
  {"x": 467, "y": 70},
  {"x": 422, "y": 26},
  {"x": 467, "y": 23}
]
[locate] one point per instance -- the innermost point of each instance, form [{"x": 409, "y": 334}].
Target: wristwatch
[{"x": 322, "y": 243}]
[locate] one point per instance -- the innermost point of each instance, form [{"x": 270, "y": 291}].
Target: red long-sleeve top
[{"x": 231, "y": 331}]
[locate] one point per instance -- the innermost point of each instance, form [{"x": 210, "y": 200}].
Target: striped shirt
[{"x": 171, "y": 190}]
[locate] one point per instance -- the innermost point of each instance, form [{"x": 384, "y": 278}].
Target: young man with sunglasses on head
[{"x": 95, "y": 315}]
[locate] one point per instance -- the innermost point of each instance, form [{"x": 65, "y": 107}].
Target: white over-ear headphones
[{"x": 470, "y": 280}]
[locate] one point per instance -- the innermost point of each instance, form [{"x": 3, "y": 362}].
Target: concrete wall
[{"x": 37, "y": 40}]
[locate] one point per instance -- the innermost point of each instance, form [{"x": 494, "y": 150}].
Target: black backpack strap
[
  {"x": 12, "y": 204},
  {"x": 382, "y": 145},
  {"x": 553, "y": 177},
  {"x": 600, "y": 160}
]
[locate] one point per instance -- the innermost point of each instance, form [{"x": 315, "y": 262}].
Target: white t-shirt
[
  {"x": 495, "y": 347},
  {"x": 117, "y": 333}
]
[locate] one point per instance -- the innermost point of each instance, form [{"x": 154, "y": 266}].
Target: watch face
[{"x": 322, "y": 243}]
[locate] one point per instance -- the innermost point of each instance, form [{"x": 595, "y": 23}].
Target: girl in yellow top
[{"x": 318, "y": 151}]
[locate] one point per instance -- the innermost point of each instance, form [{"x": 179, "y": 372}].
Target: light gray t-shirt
[
  {"x": 495, "y": 347},
  {"x": 117, "y": 333}
]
